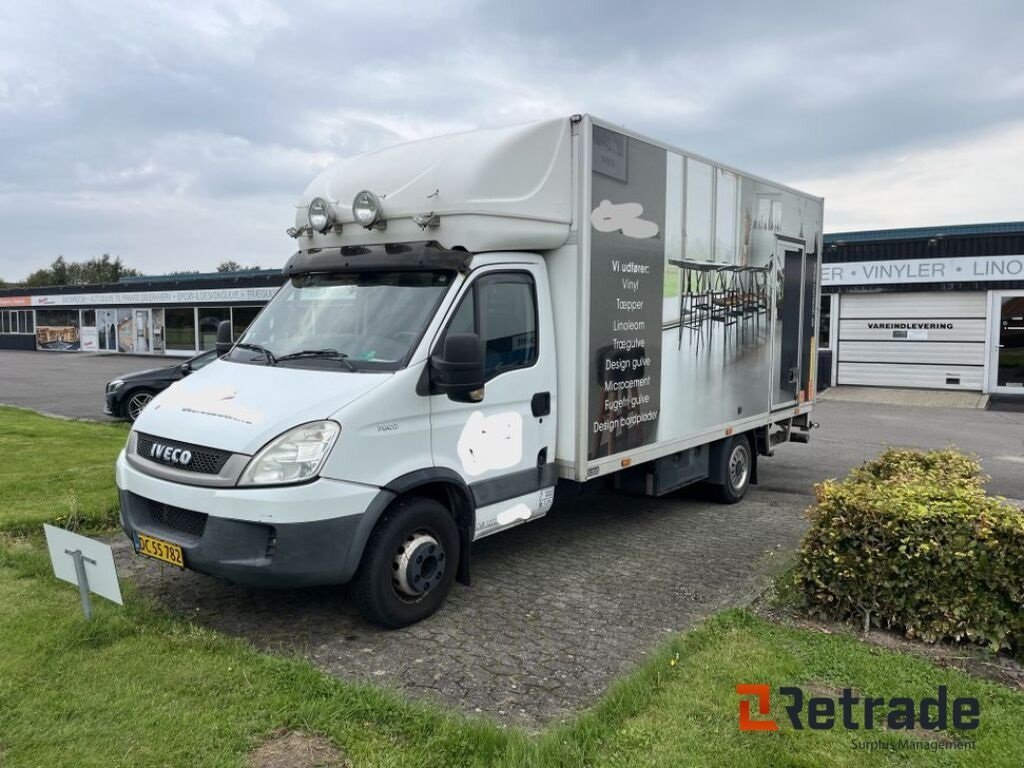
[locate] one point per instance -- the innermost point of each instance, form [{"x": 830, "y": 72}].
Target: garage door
[{"x": 917, "y": 339}]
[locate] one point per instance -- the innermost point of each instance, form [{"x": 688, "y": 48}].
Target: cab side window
[{"x": 502, "y": 309}]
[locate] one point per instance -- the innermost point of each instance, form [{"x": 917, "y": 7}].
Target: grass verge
[
  {"x": 56, "y": 468},
  {"x": 138, "y": 687}
]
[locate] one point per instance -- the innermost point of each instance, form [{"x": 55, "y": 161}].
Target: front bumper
[
  {"x": 294, "y": 536},
  {"x": 112, "y": 403}
]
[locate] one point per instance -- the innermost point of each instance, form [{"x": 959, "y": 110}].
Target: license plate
[{"x": 160, "y": 550}]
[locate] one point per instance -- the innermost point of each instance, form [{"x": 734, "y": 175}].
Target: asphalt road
[
  {"x": 561, "y": 606},
  {"x": 66, "y": 383}
]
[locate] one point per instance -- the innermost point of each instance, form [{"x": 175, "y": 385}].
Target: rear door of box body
[{"x": 789, "y": 296}]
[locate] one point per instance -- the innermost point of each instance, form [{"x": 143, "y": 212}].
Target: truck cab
[{"x": 399, "y": 398}]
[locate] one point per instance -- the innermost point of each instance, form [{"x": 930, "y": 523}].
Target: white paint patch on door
[
  {"x": 491, "y": 442},
  {"x": 623, "y": 217},
  {"x": 513, "y": 512}
]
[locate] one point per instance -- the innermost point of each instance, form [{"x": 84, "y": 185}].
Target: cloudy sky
[{"x": 178, "y": 134}]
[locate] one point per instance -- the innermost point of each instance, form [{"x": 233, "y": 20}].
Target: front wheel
[
  {"x": 409, "y": 564},
  {"x": 736, "y": 476}
]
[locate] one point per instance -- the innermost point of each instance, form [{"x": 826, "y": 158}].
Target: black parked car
[{"x": 129, "y": 394}]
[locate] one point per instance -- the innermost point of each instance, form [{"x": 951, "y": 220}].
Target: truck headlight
[
  {"x": 366, "y": 209},
  {"x": 295, "y": 456},
  {"x": 320, "y": 215}
]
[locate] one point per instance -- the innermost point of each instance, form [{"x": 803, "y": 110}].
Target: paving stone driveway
[{"x": 558, "y": 607}]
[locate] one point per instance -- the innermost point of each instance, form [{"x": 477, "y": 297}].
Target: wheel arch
[{"x": 442, "y": 485}]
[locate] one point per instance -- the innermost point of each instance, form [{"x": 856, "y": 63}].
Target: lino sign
[{"x": 905, "y": 271}]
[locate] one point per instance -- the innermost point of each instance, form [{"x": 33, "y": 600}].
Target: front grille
[
  {"x": 205, "y": 461},
  {"x": 176, "y": 519}
]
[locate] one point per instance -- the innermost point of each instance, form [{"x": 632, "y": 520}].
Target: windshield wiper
[
  {"x": 271, "y": 360},
  {"x": 331, "y": 354}
]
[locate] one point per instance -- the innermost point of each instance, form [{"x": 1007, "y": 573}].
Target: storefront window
[
  {"x": 180, "y": 328},
  {"x": 209, "y": 319},
  {"x": 825, "y": 322},
  {"x": 241, "y": 317},
  {"x": 16, "y": 321},
  {"x": 125, "y": 331},
  {"x": 57, "y": 329},
  {"x": 158, "y": 330},
  {"x": 88, "y": 318},
  {"x": 106, "y": 329}
]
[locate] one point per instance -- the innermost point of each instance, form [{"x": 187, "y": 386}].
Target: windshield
[{"x": 345, "y": 322}]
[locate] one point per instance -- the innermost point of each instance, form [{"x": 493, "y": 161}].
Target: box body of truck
[
  {"x": 469, "y": 322},
  {"x": 694, "y": 314}
]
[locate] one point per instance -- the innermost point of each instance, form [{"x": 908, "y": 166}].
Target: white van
[{"x": 470, "y": 322}]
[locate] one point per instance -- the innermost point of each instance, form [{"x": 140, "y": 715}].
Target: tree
[
  {"x": 233, "y": 266},
  {"x": 96, "y": 270}
]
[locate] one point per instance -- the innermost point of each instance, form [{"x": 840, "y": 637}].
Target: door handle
[{"x": 540, "y": 404}]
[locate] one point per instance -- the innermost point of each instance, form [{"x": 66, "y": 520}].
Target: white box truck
[{"x": 469, "y": 323}]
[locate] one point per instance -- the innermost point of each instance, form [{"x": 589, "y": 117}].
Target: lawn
[
  {"x": 139, "y": 687},
  {"x": 53, "y": 468}
]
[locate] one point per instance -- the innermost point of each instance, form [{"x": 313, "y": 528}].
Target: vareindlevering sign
[{"x": 945, "y": 270}]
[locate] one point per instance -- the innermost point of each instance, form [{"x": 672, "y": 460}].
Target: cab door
[{"x": 503, "y": 445}]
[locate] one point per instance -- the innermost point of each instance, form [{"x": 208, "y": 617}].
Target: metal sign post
[{"x": 83, "y": 579}]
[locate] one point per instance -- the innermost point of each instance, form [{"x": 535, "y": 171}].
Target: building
[
  {"x": 169, "y": 315},
  {"x": 933, "y": 307}
]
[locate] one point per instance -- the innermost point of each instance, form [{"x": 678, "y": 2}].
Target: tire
[
  {"x": 136, "y": 402},
  {"x": 739, "y": 463},
  {"x": 409, "y": 564}
]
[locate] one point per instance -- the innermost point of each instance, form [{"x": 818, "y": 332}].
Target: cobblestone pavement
[
  {"x": 561, "y": 606},
  {"x": 558, "y": 607}
]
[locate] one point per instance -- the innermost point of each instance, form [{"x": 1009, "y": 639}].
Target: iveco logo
[{"x": 170, "y": 453}]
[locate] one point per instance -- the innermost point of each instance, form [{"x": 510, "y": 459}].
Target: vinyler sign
[{"x": 947, "y": 270}]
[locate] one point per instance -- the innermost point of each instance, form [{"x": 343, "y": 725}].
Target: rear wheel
[
  {"x": 736, "y": 472},
  {"x": 409, "y": 564},
  {"x": 135, "y": 403}
]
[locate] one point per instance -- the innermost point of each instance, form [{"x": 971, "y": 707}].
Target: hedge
[{"x": 911, "y": 541}]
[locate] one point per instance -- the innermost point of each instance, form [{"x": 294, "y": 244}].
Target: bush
[{"x": 911, "y": 541}]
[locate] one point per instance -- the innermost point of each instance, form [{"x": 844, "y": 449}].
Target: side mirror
[
  {"x": 459, "y": 372},
  {"x": 224, "y": 342}
]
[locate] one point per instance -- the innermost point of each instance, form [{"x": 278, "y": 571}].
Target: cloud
[
  {"x": 183, "y": 132},
  {"x": 974, "y": 179}
]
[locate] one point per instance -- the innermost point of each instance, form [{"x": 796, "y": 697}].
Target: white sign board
[
  {"x": 98, "y": 557},
  {"x": 947, "y": 270},
  {"x": 90, "y": 339}
]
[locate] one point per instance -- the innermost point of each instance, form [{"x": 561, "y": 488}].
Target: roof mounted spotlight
[
  {"x": 320, "y": 215},
  {"x": 367, "y": 210}
]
